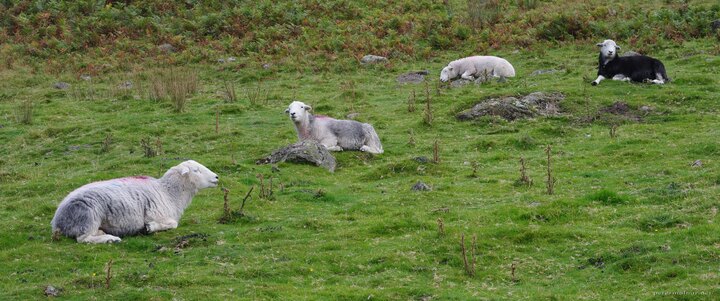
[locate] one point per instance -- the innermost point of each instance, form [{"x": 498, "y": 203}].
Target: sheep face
[
  {"x": 298, "y": 111},
  {"x": 447, "y": 74},
  {"x": 608, "y": 49},
  {"x": 198, "y": 174}
]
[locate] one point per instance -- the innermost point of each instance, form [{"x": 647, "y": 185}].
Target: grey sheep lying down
[{"x": 104, "y": 211}]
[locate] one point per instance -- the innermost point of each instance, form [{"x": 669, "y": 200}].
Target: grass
[{"x": 629, "y": 216}]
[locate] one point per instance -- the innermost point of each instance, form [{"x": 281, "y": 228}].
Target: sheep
[
  {"x": 333, "y": 134},
  {"x": 475, "y": 66},
  {"x": 102, "y": 212},
  {"x": 637, "y": 68}
]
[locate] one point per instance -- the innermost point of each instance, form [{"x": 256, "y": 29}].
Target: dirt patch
[
  {"x": 624, "y": 111},
  {"x": 511, "y": 108},
  {"x": 307, "y": 151}
]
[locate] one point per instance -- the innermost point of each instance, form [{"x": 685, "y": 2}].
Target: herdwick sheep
[
  {"x": 100, "y": 212},
  {"x": 637, "y": 68},
  {"x": 333, "y": 134},
  {"x": 476, "y": 66}
]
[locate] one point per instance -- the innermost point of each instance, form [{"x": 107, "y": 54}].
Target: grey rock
[
  {"x": 221, "y": 61},
  {"x": 630, "y": 53},
  {"x": 421, "y": 159},
  {"x": 85, "y": 77},
  {"x": 266, "y": 66},
  {"x": 167, "y": 48},
  {"x": 715, "y": 25},
  {"x": 352, "y": 116},
  {"x": 697, "y": 163},
  {"x": 61, "y": 85},
  {"x": 413, "y": 77},
  {"x": 51, "y": 291},
  {"x": 420, "y": 186},
  {"x": 231, "y": 59},
  {"x": 125, "y": 85},
  {"x": 308, "y": 151},
  {"x": 373, "y": 59},
  {"x": 512, "y": 108},
  {"x": 544, "y": 71}
]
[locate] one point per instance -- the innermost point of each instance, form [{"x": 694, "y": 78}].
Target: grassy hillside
[{"x": 630, "y": 216}]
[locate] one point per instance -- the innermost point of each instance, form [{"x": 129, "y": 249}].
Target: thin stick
[
  {"x": 108, "y": 275},
  {"x": 226, "y": 206},
  {"x": 245, "y": 199}
]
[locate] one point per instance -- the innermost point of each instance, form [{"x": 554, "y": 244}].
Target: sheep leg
[
  {"x": 597, "y": 80},
  {"x": 659, "y": 79},
  {"x": 160, "y": 225},
  {"x": 99, "y": 237},
  {"x": 621, "y": 77},
  {"x": 467, "y": 75}
]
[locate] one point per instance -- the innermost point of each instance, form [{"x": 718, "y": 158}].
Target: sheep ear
[
  {"x": 308, "y": 108},
  {"x": 599, "y": 44},
  {"x": 184, "y": 170},
  {"x": 617, "y": 47},
  {"x": 287, "y": 110},
  {"x": 451, "y": 69}
]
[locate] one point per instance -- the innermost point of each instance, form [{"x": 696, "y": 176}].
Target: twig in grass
[
  {"x": 474, "y": 164},
  {"x": 513, "y": 266},
  {"x": 108, "y": 274},
  {"x": 524, "y": 179},
  {"x": 245, "y": 199},
  {"x": 613, "y": 130},
  {"x": 441, "y": 227},
  {"x": 550, "y": 179},
  {"x": 411, "y": 102},
  {"x": 226, "y": 206},
  {"x": 468, "y": 269}
]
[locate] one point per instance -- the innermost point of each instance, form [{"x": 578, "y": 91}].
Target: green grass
[{"x": 629, "y": 217}]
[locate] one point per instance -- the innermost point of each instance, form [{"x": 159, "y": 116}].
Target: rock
[
  {"x": 231, "y": 59},
  {"x": 459, "y": 83},
  {"x": 61, "y": 85},
  {"x": 420, "y": 186},
  {"x": 715, "y": 25},
  {"x": 697, "y": 163},
  {"x": 125, "y": 85},
  {"x": 373, "y": 59},
  {"x": 352, "y": 116},
  {"x": 421, "y": 159},
  {"x": 85, "y": 77},
  {"x": 221, "y": 60},
  {"x": 266, "y": 66},
  {"x": 511, "y": 108},
  {"x": 544, "y": 71},
  {"x": 630, "y": 53},
  {"x": 308, "y": 151},
  {"x": 412, "y": 77},
  {"x": 167, "y": 48},
  {"x": 51, "y": 291}
]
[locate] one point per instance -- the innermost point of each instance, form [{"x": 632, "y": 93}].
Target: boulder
[{"x": 307, "y": 151}]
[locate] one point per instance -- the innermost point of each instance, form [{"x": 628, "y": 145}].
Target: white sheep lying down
[
  {"x": 102, "y": 211},
  {"x": 473, "y": 67},
  {"x": 333, "y": 134}
]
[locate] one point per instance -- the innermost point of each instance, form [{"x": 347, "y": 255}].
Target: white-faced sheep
[
  {"x": 104, "y": 211},
  {"x": 334, "y": 134},
  {"x": 473, "y": 67},
  {"x": 637, "y": 68}
]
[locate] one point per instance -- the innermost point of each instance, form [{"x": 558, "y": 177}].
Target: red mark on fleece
[{"x": 134, "y": 178}]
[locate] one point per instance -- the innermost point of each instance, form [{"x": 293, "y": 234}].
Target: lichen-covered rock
[
  {"x": 61, "y": 85},
  {"x": 420, "y": 186},
  {"x": 167, "y": 48},
  {"x": 413, "y": 77},
  {"x": 306, "y": 151},
  {"x": 512, "y": 108},
  {"x": 373, "y": 59}
]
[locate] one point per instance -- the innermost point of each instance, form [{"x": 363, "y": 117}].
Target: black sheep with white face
[{"x": 637, "y": 68}]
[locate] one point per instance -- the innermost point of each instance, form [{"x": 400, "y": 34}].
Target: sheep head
[
  {"x": 608, "y": 49},
  {"x": 448, "y": 73},
  {"x": 298, "y": 111},
  {"x": 198, "y": 174}
]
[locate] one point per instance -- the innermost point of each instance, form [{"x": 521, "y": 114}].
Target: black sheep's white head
[
  {"x": 608, "y": 49},
  {"x": 298, "y": 111},
  {"x": 198, "y": 174}
]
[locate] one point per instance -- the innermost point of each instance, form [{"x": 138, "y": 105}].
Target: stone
[
  {"x": 307, "y": 151},
  {"x": 511, "y": 108},
  {"x": 412, "y": 77},
  {"x": 51, "y": 291},
  {"x": 373, "y": 59},
  {"x": 420, "y": 186},
  {"x": 167, "y": 48},
  {"x": 61, "y": 85}
]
